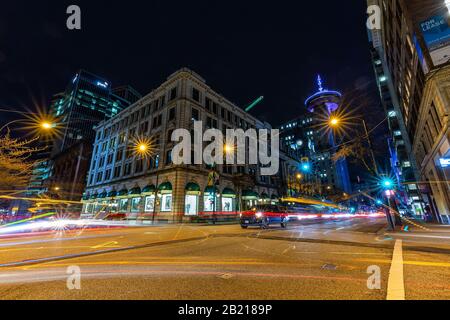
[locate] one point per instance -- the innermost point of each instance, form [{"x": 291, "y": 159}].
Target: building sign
[
  {"x": 436, "y": 33},
  {"x": 444, "y": 162}
]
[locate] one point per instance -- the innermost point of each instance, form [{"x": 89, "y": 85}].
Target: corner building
[{"x": 124, "y": 184}]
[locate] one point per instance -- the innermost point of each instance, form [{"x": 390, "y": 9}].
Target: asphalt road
[{"x": 318, "y": 259}]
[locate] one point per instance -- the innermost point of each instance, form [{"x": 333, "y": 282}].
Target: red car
[{"x": 264, "y": 215}]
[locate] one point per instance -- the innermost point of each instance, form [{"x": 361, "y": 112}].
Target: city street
[
  {"x": 246, "y": 154},
  {"x": 316, "y": 259}
]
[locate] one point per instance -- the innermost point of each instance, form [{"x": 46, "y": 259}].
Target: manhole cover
[{"x": 329, "y": 267}]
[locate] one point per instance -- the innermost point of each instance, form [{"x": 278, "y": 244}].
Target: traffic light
[
  {"x": 387, "y": 183},
  {"x": 306, "y": 167}
]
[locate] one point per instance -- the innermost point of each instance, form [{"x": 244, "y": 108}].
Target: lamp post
[
  {"x": 145, "y": 149},
  {"x": 42, "y": 125},
  {"x": 388, "y": 187}
]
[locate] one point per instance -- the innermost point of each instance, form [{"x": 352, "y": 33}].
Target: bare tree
[
  {"x": 356, "y": 152},
  {"x": 15, "y": 163}
]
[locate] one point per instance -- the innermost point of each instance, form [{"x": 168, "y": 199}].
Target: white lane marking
[
  {"x": 418, "y": 236},
  {"x": 396, "y": 285}
]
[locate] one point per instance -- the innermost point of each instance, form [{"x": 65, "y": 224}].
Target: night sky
[{"x": 244, "y": 49}]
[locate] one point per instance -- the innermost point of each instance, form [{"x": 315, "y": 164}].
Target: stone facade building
[
  {"x": 432, "y": 141},
  {"x": 123, "y": 183}
]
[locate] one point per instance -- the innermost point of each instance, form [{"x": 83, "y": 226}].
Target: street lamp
[
  {"x": 35, "y": 124},
  {"x": 334, "y": 121},
  {"x": 145, "y": 148},
  {"x": 228, "y": 149},
  {"x": 46, "y": 125},
  {"x": 142, "y": 147}
]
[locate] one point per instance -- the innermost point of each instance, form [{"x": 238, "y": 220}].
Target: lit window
[
  {"x": 406, "y": 164},
  {"x": 391, "y": 114}
]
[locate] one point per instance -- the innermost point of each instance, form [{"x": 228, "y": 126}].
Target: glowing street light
[
  {"x": 228, "y": 149},
  {"x": 387, "y": 183},
  {"x": 46, "y": 125},
  {"x": 334, "y": 121},
  {"x": 306, "y": 167},
  {"x": 299, "y": 176},
  {"x": 143, "y": 147}
]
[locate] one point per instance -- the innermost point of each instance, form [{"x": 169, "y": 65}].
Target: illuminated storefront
[
  {"x": 149, "y": 198},
  {"x": 165, "y": 196},
  {"x": 228, "y": 200},
  {"x": 191, "y": 203},
  {"x": 210, "y": 199}
]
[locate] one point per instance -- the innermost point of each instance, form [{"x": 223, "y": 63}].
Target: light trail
[
  {"x": 56, "y": 225},
  {"x": 48, "y": 201},
  {"x": 27, "y": 220}
]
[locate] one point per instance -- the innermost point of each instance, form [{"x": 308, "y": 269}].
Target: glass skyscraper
[{"x": 87, "y": 100}]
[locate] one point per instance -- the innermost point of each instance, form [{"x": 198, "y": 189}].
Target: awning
[
  {"x": 228, "y": 193},
  {"x": 165, "y": 188},
  {"x": 135, "y": 191},
  {"x": 249, "y": 195},
  {"x": 122, "y": 193},
  {"x": 93, "y": 196},
  {"x": 192, "y": 189},
  {"x": 150, "y": 189}
]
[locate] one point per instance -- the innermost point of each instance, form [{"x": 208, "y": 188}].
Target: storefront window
[
  {"x": 209, "y": 202},
  {"x": 149, "y": 204},
  {"x": 123, "y": 205},
  {"x": 135, "y": 204},
  {"x": 166, "y": 202},
  {"x": 191, "y": 205},
  {"x": 227, "y": 204}
]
